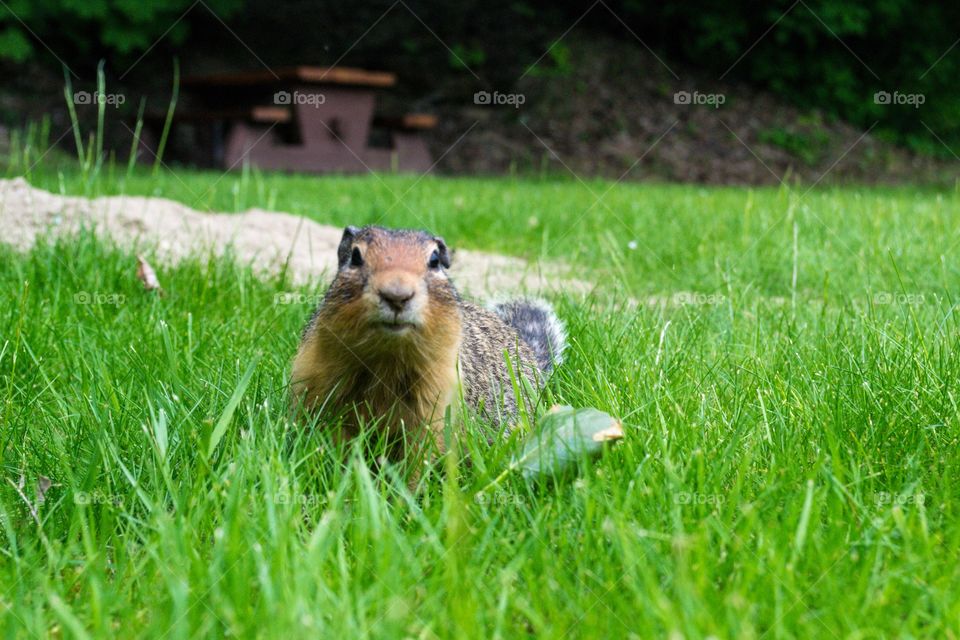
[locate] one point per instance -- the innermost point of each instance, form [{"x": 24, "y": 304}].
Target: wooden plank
[
  {"x": 279, "y": 115},
  {"x": 346, "y": 75},
  {"x": 305, "y": 74}
]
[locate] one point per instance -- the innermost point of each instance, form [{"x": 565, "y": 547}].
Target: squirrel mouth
[{"x": 396, "y": 326}]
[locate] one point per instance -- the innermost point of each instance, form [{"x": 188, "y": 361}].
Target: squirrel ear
[
  {"x": 443, "y": 251},
  {"x": 346, "y": 244}
]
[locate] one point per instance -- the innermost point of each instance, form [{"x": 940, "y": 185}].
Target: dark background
[{"x": 815, "y": 64}]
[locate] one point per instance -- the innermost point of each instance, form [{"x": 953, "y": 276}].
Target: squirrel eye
[
  {"x": 434, "y": 262},
  {"x": 356, "y": 259}
]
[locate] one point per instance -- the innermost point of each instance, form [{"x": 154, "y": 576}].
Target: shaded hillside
[{"x": 617, "y": 104}]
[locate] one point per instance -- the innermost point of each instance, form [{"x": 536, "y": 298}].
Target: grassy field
[{"x": 786, "y": 364}]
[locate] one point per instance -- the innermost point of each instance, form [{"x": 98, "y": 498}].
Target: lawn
[{"x": 785, "y": 362}]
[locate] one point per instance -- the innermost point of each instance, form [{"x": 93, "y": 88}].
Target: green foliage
[
  {"x": 466, "y": 57},
  {"x": 808, "y": 146},
  {"x": 14, "y": 44},
  {"x": 558, "y": 61},
  {"x": 80, "y": 32}
]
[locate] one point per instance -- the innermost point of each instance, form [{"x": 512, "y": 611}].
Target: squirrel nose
[{"x": 396, "y": 296}]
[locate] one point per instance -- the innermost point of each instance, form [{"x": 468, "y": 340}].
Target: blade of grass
[
  {"x": 168, "y": 121},
  {"x": 221, "y": 426}
]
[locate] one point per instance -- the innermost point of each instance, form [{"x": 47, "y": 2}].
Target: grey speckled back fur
[
  {"x": 539, "y": 326},
  {"x": 486, "y": 378}
]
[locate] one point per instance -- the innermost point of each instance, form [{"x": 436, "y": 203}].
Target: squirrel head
[{"x": 392, "y": 282}]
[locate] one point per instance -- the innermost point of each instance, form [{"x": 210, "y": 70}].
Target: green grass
[{"x": 790, "y": 467}]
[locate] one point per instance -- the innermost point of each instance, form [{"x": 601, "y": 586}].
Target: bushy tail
[{"x": 539, "y": 326}]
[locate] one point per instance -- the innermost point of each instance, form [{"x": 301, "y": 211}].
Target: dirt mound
[{"x": 168, "y": 231}]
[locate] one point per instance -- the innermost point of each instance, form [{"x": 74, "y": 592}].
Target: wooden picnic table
[{"x": 307, "y": 118}]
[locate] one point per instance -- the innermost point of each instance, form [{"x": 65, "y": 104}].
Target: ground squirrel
[{"x": 393, "y": 342}]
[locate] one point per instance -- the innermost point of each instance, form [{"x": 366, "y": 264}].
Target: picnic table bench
[{"x": 316, "y": 119}]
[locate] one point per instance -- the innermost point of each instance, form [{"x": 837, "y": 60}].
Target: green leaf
[
  {"x": 221, "y": 427},
  {"x": 564, "y": 437}
]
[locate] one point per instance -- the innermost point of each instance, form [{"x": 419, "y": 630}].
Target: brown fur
[{"x": 406, "y": 381}]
